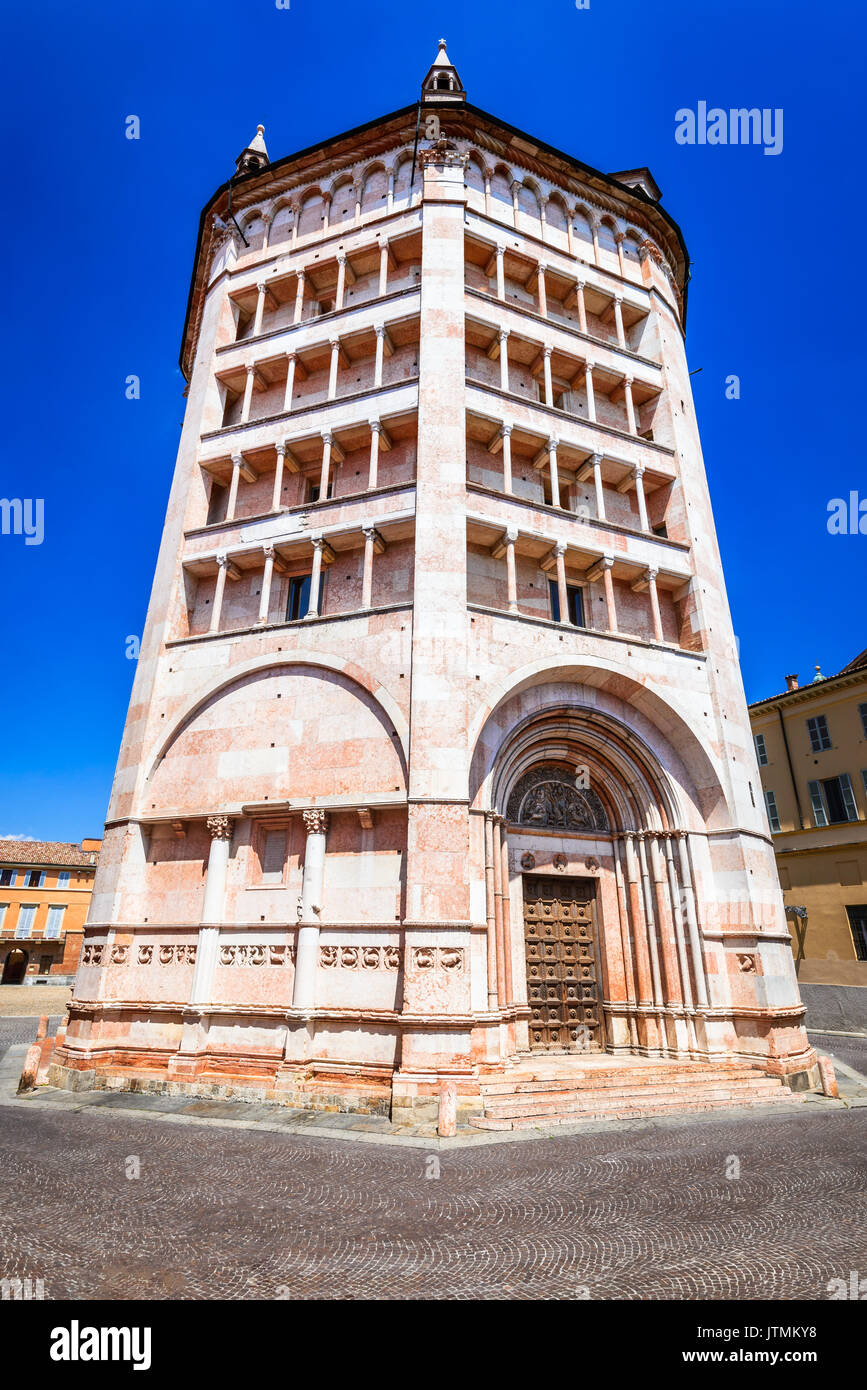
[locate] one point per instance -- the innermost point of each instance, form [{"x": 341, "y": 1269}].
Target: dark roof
[
  {"x": 853, "y": 668},
  {"x": 46, "y": 852}
]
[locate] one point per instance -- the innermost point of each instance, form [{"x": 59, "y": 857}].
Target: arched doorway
[{"x": 14, "y": 967}]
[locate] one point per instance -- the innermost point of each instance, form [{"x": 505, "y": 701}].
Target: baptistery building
[{"x": 437, "y": 767}]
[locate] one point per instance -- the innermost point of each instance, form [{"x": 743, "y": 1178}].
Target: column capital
[
  {"x": 596, "y": 460},
  {"x": 559, "y": 548},
  {"x": 627, "y": 381},
  {"x": 553, "y": 445},
  {"x": 250, "y": 368},
  {"x": 316, "y": 822},
  {"x": 261, "y": 286},
  {"x": 327, "y": 437},
  {"x": 375, "y": 426},
  {"x": 219, "y": 827},
  {"x": 380, "y": 330},
  {"x": 341, "y": 258},
  {"x": 502, "y": 334},
  {"x": 638, "y": 470},
  {"x": 650, "y": 574},
  {"x": 618, "y": 237},
  {"x": 581, "y": 285},
  {"x": 281, "y": 450},
  {"x": 541, "y": 267},
  {"x": 501, "y": 251},
  {"x": 618, "y": 298},
  {"x": 547, "y": 350},
  {"x": 506, "y": 429},
  {"x": 268, "y": 550},
  {"x": 237, "y": 460},
  {"x": 588, "y": 367}
]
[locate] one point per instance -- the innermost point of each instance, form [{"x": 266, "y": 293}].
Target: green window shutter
[
  {"x": 818, "y": 803},
  {"x": 848, "y": 798}
]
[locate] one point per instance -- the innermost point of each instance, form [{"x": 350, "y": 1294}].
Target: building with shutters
[
  {"x": 45, "y": 889},
  {"x": 438, "y": 764},
  {"x": 811, "y": 746}
]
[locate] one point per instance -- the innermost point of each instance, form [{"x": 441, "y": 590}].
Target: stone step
[
  {"x": 580, "y": 1101},
  {"x": 626, "y": 1112},
  {"x": 633, "y": 1078}
]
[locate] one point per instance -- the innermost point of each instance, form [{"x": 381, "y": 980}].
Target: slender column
[
  {"x": 625, "y": 935},
  {"x": 335, "y": 363},
  {"x": 673, "y": 992},
  {"x": 487, "y": 195},
  {"x": 261, "y": 292},
  {"x": 232, "y": 500},
  {"x": 290, "y": 382},
  {"x": 570, "y": 233},
  {"x": 373, "y": 469},
  {"x": 299, "y": 294},
  {"x": 380, "y": 350},
  {"x": 501, "y": 272},
  {"x": 307, "y": 952},
  {"x": 327, "y": 200},
  {"x": 600, "y": 490},
  {"x": 692, "y": 920},
  {"x": 638, "y": 474},
  {"x": 591, "y": 399},
  {"x": 594, "y": 228},
  {"x": 373, "y": 543},
  {"x": 224, "y": 565},
  {"x": 506, "y": 432},
  {"x": 341, "y": 282},
  {"x": 296, "y": 209},
  {"x": 316, "y": 577},
  {"x": 515, "y": 187},
  {"x": 213, "y": 909},
  {"x": 356, "y": 188},
  {"x": 607, "y": 564},
  {"x": 267, "y": 219},
  {"x": 277, "y": 494},
  {"x": 620, "y": 237},
  {"x": 650, "y": 918},
  {"x": 630, "y": 408},
  {"x": 324, "y": 471},
  {"x": 542, "y": 291},
  {"x": 507, "y": 913},
  {"x": 582, "y": 309},
  {"x": 654, "y": 604},
  {"x": 549, "y": 385},
  {"x": 562, "y": 592},
  {"x": 543, "y": 217},
  {"x": 267, "y": 576},
  {"x": 679, "y": 935},
  {"x": 498, "y": 915},
  {"x": 248, "y": 392},
  {"x": 503, "y": 337},
  {"x": 511, "y": 578},
  {"x": 555, "y": 475},
  {"x": 618, "y": 320},
  {"x": 490, "y": 910},
  {"x": 383, "y": 264},
  {"x": 390, "y": 194},
  {"x": 639, "y": 930}
]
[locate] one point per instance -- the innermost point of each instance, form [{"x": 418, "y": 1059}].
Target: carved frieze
[
  {"x": 425, "y": 959},
  {"x": 547, "y": 797},
  {"x": 256, "y": 954},
  {"x": 359, "y": 957}
]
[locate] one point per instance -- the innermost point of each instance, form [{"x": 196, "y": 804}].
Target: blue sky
[{"x": 100, "y": 235}]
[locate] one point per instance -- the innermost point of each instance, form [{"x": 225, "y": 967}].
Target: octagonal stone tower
[{"x": 437, "y": 763}]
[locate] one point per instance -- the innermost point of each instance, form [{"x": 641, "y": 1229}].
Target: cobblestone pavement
[
  {"x": 23, "y": 1030},
  {"x": 851, "y": 1050},
  {"x": 643, "y": 1212}
]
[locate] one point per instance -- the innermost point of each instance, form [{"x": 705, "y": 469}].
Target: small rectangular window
[
  {"x": 298, "y": 600},
  {"x": 8, "y": 878},
  {"x": 820, "y": 738},
  {"x": 63, "y": 879},
  {"x": 4, "y": 908},
  {"x": 26, "y": 918},
  {"x": 761, "y": 750},
  {"x": 55, "y": 921},
  {"x": 574, "y": 598},
  {"x": 315, "y": 490},
  {"x": 274, "y": 856},
  {"x": 34, "y": 878},
  {"x": 862, "y": 710},
  {"x": 773, "y": 813}
]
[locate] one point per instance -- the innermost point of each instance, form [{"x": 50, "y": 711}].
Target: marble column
[
  {"x": 503, "y": 337},
  {"x": 618, "y": 320},
  {"x": 490, "y": 911},
  {"x": 638, "y": 475},
  {"x": 690, "y": 905},
  {"x": 498, "y": 914},
  {"x": 562, "y": 591},
  {"x": 506, "y": 433},
  {"x": 277, "y": 494},
  {"x": 341, "y": 282},
  {"x": 261, "y": 292},
  {"x": 373, "y": 544},
  {"x": 290, "y": 382},
  {"x": 542, "y": 290},
  {"x": 225, "y": 570},
  {"x": 546, "y": 366},
  {"x": 332, "y": 373},
  {"x": 591, "y": 399},
  {"x": 299, "y": 295},
  {"x": 310, "y": 916},
  {"x": 501, "y": 272},
  {"x": 322, "y": 553},
  {"x": 506, "y": 912},
  {"x": 554, "y": 472},
  {"x": 582, "y": 310},
  {"x": 213, "y": 909},
  {"x": 630, "y": 408},
  {"x": 248, "y": 392},
  {"x": 373, "y": 468},
  {"x": 599, "y": 487}
]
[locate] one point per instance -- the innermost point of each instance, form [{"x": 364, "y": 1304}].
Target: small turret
[
  {"x": 442, "y": 82},
  {"x": 255, "y": 156}
]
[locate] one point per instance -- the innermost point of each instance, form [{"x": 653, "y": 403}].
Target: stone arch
[
  {"x": 281, "y": 226},
  {"x": 556, "y": 217},
  {"x": 402, "y": 177},
  {"x": 253, "y": 227},
  {"x": 582, "y": 225},
  {"x": 374, "y": 187},
  {"x": 322, "y": 660},
  {"x": 501, "y": 192},
  {"x": 475, "y": 172},
  {"x": 342, "y": 200},
  {"x": 687, "y": 783},
  {"x": 15, "y": 966},
  {"x": 288, "y": 729},
  {"x": 311, "y": 212}
]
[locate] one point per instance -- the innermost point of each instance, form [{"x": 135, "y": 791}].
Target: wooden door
[{"x": 562, "y": 964}]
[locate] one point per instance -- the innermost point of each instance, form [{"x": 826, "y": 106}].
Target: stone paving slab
[{"x": 638, "y": 1212}]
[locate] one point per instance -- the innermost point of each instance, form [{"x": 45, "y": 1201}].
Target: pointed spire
[
  {"x": 442, "y": 82},
  {"x": 255, "y": 156}
]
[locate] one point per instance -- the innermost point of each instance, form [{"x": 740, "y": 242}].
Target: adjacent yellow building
[
  {"x": 45, "y": 889},
  {"x": 811, "y": 744}
]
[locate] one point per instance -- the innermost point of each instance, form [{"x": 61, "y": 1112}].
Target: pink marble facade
[{"x": 311, "y": 885}]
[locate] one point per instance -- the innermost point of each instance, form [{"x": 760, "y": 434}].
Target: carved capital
[
  {"x": 316, "y": 822},
  {"x": 219, "y": 827}
]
